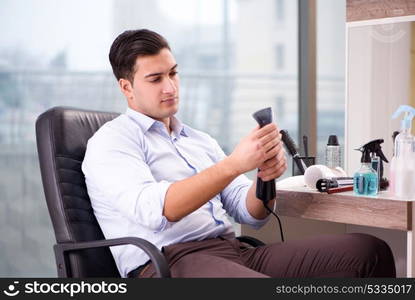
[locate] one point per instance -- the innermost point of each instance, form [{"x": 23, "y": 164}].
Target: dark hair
[{"x": 132, "y": 44}]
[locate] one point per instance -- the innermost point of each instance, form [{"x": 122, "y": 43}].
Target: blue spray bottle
[{"x": 365, "y": 180}]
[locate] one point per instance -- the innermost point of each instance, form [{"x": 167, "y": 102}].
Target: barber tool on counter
[
  {"x": 341, "y": 189},
  {"x": 292, "y": 150},
  {"x": 326, "y": 184},
  {"x": 317, "y": 172}
]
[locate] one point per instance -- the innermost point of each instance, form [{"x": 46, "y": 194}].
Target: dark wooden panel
[
  {"x": 359, "y": 10},
  {"x": 347, "y": 209}
]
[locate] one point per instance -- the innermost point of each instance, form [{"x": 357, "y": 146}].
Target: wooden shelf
[{"x": 359, "y": 10}]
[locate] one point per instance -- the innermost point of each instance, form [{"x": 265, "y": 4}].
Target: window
[
  {"x": 56, "y": 53},
  {"x": 331, "y": 16}
]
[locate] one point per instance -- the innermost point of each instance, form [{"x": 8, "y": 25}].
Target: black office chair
[{"x": 81, "y": 249}]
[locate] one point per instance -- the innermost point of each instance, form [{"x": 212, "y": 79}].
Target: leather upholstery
[{"x": 62, "y": 134}]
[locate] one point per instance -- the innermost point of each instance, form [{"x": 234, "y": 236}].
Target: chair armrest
[
  {"x": 155, "y": 255},
  {"x": 250, "y": 240}
]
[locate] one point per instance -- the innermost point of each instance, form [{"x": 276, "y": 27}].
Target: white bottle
[
  {"x": 403, "y": 163},
  {"x": 333, "y": 152}
]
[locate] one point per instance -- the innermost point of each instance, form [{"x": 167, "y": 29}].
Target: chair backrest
[{"x": 62, "y": 134}]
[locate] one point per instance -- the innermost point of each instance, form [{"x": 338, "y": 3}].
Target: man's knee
[
  {"x": 370, "y": 245},
  {"x": 376, "y": 253}
]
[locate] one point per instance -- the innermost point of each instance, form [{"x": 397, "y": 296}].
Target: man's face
[{"x": 155, "y": 88}]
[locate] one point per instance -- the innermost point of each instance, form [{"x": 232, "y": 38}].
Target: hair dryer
[{"x": 265, "y": 190}]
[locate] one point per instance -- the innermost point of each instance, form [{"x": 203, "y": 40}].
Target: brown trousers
[{"x": 344, "y": 255}]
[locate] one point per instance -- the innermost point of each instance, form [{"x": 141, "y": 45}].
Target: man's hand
[
  {"x": 262, "y": 148},
  {"x": 276, "y": 166}
]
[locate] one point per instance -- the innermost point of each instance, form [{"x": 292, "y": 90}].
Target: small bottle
[
  {"x": 365, "y": 180},
  {"x": 333, "y": 152},
  {"x": 375, "y": 164}
]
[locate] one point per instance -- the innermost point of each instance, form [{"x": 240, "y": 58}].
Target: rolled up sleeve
[
  {"x": 234, "y": 201},
  {"x": 124, "y": 181},
  {"x": 234, "y": 196}
]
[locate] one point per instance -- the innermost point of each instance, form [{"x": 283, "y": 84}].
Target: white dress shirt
[{"x": 129, "y": 164}]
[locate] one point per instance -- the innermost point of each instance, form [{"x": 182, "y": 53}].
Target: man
[{"x": 148, "y": 175}]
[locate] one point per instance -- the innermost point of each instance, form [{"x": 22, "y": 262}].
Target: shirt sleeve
[
  {"x": 234, "y": 196},
  {"x": 120, "y": 177}
]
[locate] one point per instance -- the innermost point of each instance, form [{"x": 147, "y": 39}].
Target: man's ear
[{"x": 126, "y": 88}]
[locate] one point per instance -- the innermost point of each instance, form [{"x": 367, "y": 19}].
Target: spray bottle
[
  {"x": 402, "y": 169},
  {"x": 377, "y": 157},
  {"x": 365, "y": 180}
]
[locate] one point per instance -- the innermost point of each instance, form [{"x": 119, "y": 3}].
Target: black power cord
[{"x": 279, "y": 221}]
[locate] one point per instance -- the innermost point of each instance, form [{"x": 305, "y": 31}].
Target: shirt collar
[
  {"x": 146, "y": 122},
  {"x": 177, "y": 126}
]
